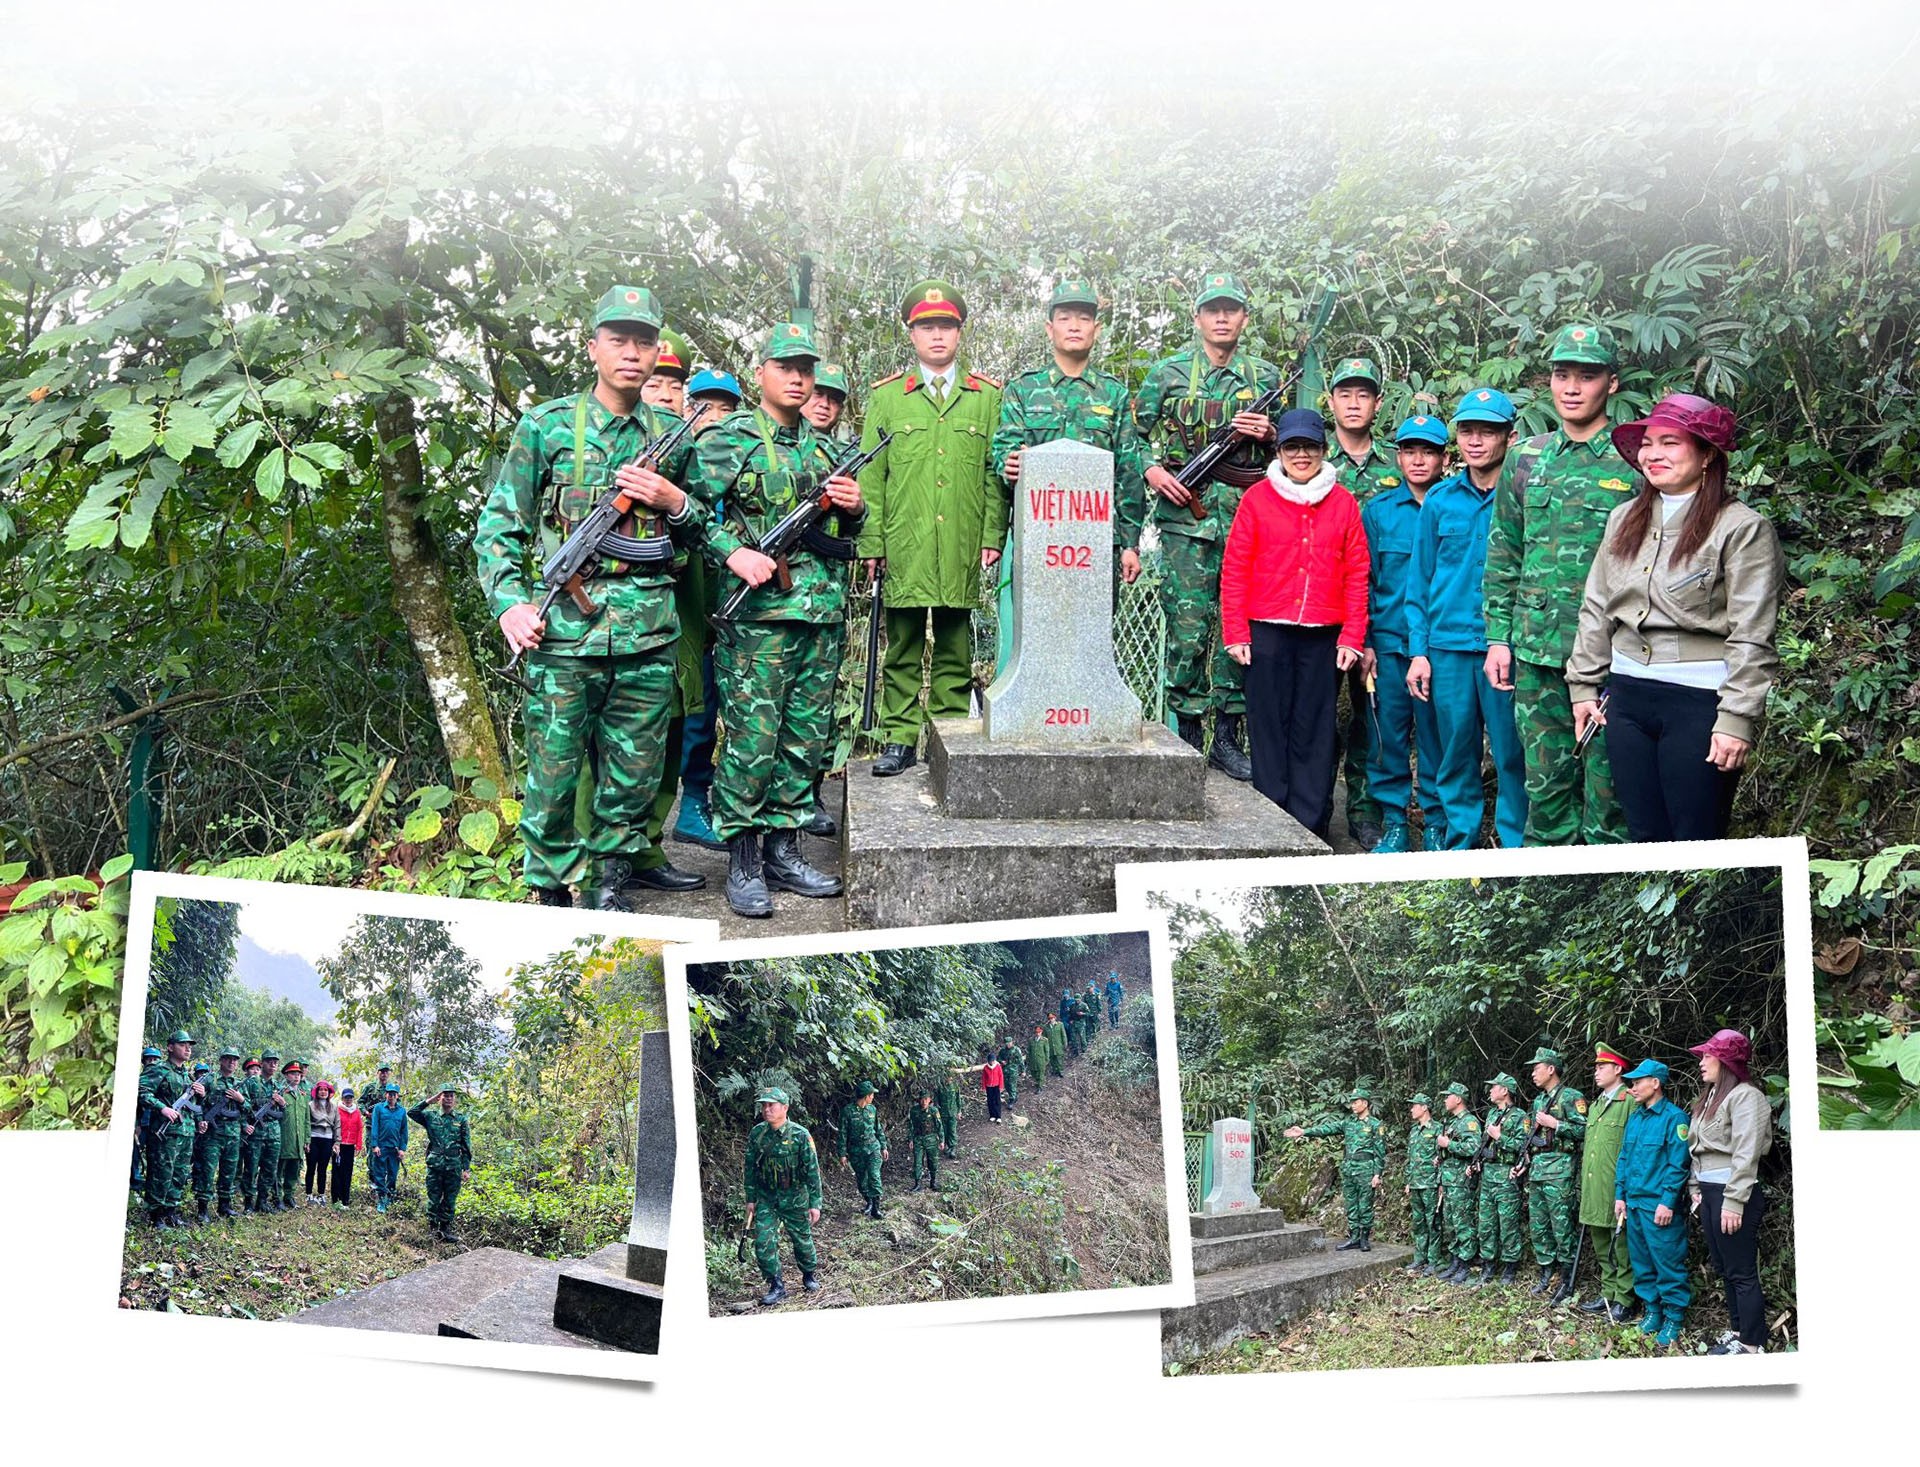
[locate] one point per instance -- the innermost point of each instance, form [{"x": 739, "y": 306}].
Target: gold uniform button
[{"x": 941, "y": 452}]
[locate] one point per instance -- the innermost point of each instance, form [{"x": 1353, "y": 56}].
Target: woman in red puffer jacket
[{"x": 1293, "y": 611}]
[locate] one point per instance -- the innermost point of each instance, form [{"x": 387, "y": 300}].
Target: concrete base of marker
[
  {"x": 594, "y": 1297},
  {"x": 907, "y": 862},
  {"x": 1159, "y": 777}
]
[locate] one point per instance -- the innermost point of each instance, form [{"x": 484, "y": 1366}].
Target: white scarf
[{"x": 1312, "y": 492}]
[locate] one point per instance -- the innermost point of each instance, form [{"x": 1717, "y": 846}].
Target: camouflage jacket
[
  {"x": 1180, "y": 402},
  {"x": 946, "y": 1096},
  {"x": 259, "y": 1091},
  {"x": 1380, "y": 469},
  {"x": 780, "y": 1162},
  {"x": 1569, "y": 1107},
  {"x": 761, "y": 471},
  {"x": 1010, "y": 1057},
  {"x": 160, "y": 1086},
  {"x": 860, "y": 1128},
  {"x": 448, "y": 1144},
  {"x": 1511, "y": 1143},
  {"x": 923, "y": 1121},
  {"x": 1549, "y": 518},
  {"x": 543, "y": 490},
  {"x": 1423, "y": 1153},
  {"x": 1365, "y": 1138},
  {"x": 235, "y": 1111},
  {"x": 1463, "y": 1139},
  {"x": 1090, "y": 1004},
  {"x": 1045, "y": 404}
]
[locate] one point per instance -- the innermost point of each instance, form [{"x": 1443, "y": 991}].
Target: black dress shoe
[
  {"x": 785, "y": 869},
  {"x": 894, "y": 758},
  {"x": 667, "y": 877},
  {"x": 1592, "y": 1306}
]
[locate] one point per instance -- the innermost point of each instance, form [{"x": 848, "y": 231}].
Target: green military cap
[
  {"x": 1360, "y": 1092},
  {"x": 676, "y": 357},
  {"x": 383, "y": 1065},
  {"x": 1220, "y": 285},
  {"x": 1584, "y": 342},
  {"x": 1355, "y": 369},
  {"x": 1545, "y": 1056},
  {"x": 1504, "y": 1079},
  {"x": 789, "y": 339},
  {"x": 1075, "y": 290},
  {"x": 180, "y": 1036},
  {"x": 773, "y": 1094},
  {"x": 830, "y": 377},
  {"x": 449, "y": 1088},
  {"x": 267, "y": 1054},
  {"x": 1421, "y": 1099},
  {"x": 867, "y": 1087},
  {"x": 1456, "y": 1088},
  {"x": 634, "y": 303},
  {"x": 228, "y": 1053},
  {"x": 933, "y": 300}
]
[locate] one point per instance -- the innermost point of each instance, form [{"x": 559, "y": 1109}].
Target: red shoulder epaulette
[
  {"x": 974, "y": 379},
  {"x": 885, "y": 380}
]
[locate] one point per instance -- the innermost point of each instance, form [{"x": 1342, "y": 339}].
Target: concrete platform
[
  {"x": 1258, "y": 1299},
  {"x": 1161, "y": 777},
  {"x": 1233, "y": 1224},
  {"x": 519, "y": 1314},
  {"x": 907, "y": 863},
  {"x": 417, "y": 1302},
  {"x": 1270, "y": 1245},
  {"x": 594, "y": 1297}
]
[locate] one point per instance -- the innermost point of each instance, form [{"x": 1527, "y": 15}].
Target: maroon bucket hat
[{"x": 1684, "y": 413}]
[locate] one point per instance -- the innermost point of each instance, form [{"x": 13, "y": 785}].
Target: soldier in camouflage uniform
[
  {"x": 1090, "y": 1006},
  {"x": 774, "y": 661},
  {"x": 946, "y": 1099},
  {"x": 783, "y": 1190},
  {"x": 926, "y": 1125},
  {"x": 1423, "y": 1185},
  {"x": 1009, "y": 1054},
  {"x": 1498, "y": 1219},
  {"x": 161, "y": 1088},
  {"x": 1365, "y": 1139},
  {"x": 825, "y": 408},
  {"x": 863, "y": 1144},
  {"x": 1056, "y": 1048},
  {"x": 264, "y": 1143},
  {"x": 1071, "y": 1017},
  {"x": 603, "y": 682},
  {"x": 1553, "y": 1180},
  {"x": 449, "y": 1159},
  {"x": 1039, "y": 1054},
  {"x": 230, "y": 1108},
  {"x": 1072, "y": 399},
  {"x": 1549, "y": 518},
  {"x": 1456, "y": 1144},
  {"x": 200, "y": 1169},
  {"x": 1182, "y": 400},
  {"x": 143, "y": 1143}
]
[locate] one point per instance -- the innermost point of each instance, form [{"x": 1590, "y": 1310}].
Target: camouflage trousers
[
  {"x": 243, "y": 1181},
  {"x": 1553, "y": 1198},
  {"x": 1457, "y": 1216},
  {"x": 865, "y": 1162},
  {"x": 266, "y": 1162},
  {"x": 1201, "y": 678},
  {"x": 1010, "y": 1074},
  {"x": 833, "y": 651},
  {"x": 1356, "y": 1193},
  {"x": 949, "y": 1127},
  {"x": 1427, "y": 1243},
  {"x": 1497, "y": 1219},
  {"x": 618, "y": 706},
  {"x": 1354, "y": 738},
  {"x": 1569, "y": 800},
  {"x": 1076, "y": 1038},
  {"x": 926, "y": 1149},
  {"x": 787, "y": 1209},
  {"x": 776, "y": 682},
  {"x": 216, "y": 1157},
  {"x": 443, "y": 1191},
  {"x": 170, "y": 1163}
]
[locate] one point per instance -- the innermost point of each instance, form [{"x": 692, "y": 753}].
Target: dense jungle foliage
[{"x": 258, "y": 356}]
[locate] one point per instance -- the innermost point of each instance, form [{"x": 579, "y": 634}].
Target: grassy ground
[
  {"x": 1076, "y": 1199},
  {"x": 1397, "y": 1321}
]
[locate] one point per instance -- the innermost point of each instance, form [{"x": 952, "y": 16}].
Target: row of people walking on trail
[
  {"x": 240, "y": 1135},
  {"x": 1608, "y": 1177},
  {"x": 782, "y": 1166}
]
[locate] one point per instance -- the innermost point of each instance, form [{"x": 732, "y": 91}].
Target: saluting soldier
[
  {"x": 1182, "y": 400},
  {"x": 1457, "y": 1143},
  {"x": 1423, "y": 1185},
  {"x": 162, "y": 1088},
  {"x": 1498, "y": 1221},
  {"x": 783, "y": 1191},
  {"x": 938, "y": 515},
  {"x": 1560, "y": 1113},
  {"x": 603, "y": 681},
  {"x": 774, "y": 659},
  {"x": 1549, "y": 519},
  {"x": 1599, "y": 1158},
  {"x": 863, "y": 1145},
  {"x": 825, "y": 408},
  {"x": 926, "y": 1125},
  {"x": 1364, "y": 1137},
  {"x": 449, "y": 1159}
]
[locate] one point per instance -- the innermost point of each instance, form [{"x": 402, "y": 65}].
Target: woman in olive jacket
[
  {"x": 1730, "y": 1130},
  {"x": 1678, "y": 623}
]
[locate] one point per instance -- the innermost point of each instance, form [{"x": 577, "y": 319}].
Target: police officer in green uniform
[
  {"x": 1423, "y": 1185},
  {"x": 1071, "y": 398},
  {"x": 1364, "y": 1137},
  {"x": 1549, "y": 518},
  {"x": 1559, "y": 1123},
  {"x": 1181, "y": 401},
  {"x": 449, "y": 1159},
  {"x": 1599, "y": 1157},
  {"x": 783, "y": 1191},
  {"x": 602, "y": 682},
  {"x": 666, "y": 388},
  {"x": 296, "y": 1130},
  {"x": 1498, "y": 1220},
  {"x": 925, "y": 1123},
  {"x": 937, "y": 515},
  {"x": 1366, "y": 467},
  {"x": 775, "y": 662},
  {"x": 163, "y": 1088},
  {"x": 863, "y": 1145},
  {"x": 826, "y": 408},
  {"x": 1040, "y": 1057},
  {"x": 1457, "y": 1142}
]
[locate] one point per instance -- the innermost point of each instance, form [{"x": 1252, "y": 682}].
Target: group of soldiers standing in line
[
  {"x": 244, "y": 1131},
  {"x": 1609, "y": 1175},
  {"x": 782, "y": 1164}
]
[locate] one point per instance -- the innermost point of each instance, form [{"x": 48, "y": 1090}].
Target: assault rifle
[
  {"x": 186, "y": 1105},
  {"x": 597, "y": 536},
  {"x": 1197, "y": 472},
  {"x": 802, "y": 527},
  {"x": 1593, "y": 724}
]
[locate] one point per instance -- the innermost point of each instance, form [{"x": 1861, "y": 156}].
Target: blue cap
[
  {"x": 1647, "y": 1070},
  {"x": 1485, "y": 405},
  {"x": 708, "y": 380},
  {"x": 1297, "y": 424},
  {"x": 1422, "y": 429}
]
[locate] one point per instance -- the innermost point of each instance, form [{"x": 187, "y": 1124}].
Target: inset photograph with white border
[
  {"x": 503, "y": 1198},
  {"x": 1606, "y": 1039},
  {"x": 944, "y": 1123}
]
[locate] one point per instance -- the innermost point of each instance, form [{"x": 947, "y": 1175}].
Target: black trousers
[
  {"x": 319, "y": 1152},
  {"x": 1290, "y": 719},
  {"x": 343, "y": 1175},
  {"x": 1736, "y": 1257},
  {"x": 1657, "y": 739},
  {"x": 993, "y": 1102}
]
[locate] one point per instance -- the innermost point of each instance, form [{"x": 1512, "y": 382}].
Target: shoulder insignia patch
[
  {"x": 974, "y": 379},
  {"x": 1680, "y": 1131},
  {"x": 1472, "y": 1124},
  {"x": 1619, "y": 486},
  {"x": 1392, "y": 481},
  {"x": 1100, "y": 409}
]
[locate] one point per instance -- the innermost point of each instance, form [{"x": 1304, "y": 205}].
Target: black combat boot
[
  {"x": 1366, "y": 1240},
  {"x": 785, "y": 869},
  {"x": 1564, "y": 1289},
  {"x": 667, "y": 877},
  {"x": 809, "y": 1282},
  {"x": 820, "y": 823},
  {"x": 746, "y": 883},
  {"x": 1430, "y": 1271},
  {"x": 1621, "y": 1313},
  {"x": 894, "y": 759},
  {"x": 1191, "y": 731},
  {"x": 450, "y": 1236},
  {"x": 553, "y": 896},
  {"x": 776, "y": 1291},
  {"x": 1366, "y": 832},
  {"x": 156, "y": 1217},
  {"x": 1486, "y": 1274},
  {"x": 873, "y": 1207},
  {"x": 608, "y": 894},
  {"x": 226, "y": 1210},
  {"x": 1353, "y": 1241},
  {"x": 1228, "y": 757},
  {"x": 1457, "y": 1271},
  {"x": 200, "y": 1219},
  {"x": 1540, "y": 1284},
  {"x": 1507, "y": 1271},
  {"x": 916, "y": 1180}
]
